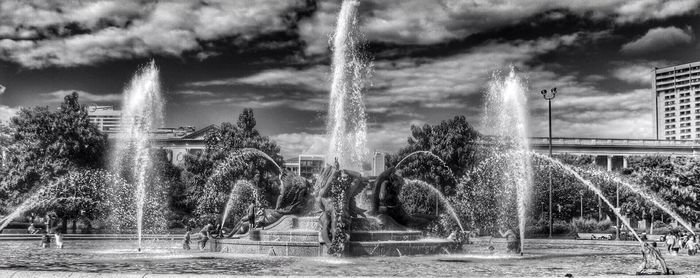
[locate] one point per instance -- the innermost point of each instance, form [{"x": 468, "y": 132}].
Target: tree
[
  {"x": 673, "y": 180},
  {"x": 455, "y": 142},
  {"x": 209, "y": 176},
  {"x": 47, "y": 145}
]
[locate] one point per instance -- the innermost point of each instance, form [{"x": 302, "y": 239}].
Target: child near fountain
[
  {"x": 186, "y": 242},
  {"x": 45, "y": 240},
  {"x": 59, "y": 239},
  {"x": 692, "y": 245}
]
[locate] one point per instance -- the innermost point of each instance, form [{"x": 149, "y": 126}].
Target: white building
[
  {"x": 676, "y": 92},
  {"x": 107, "y": 119},
  {"x": 378, "y": 163}
]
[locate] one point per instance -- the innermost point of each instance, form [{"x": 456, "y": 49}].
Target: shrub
[{"x": 580, "y": 225}]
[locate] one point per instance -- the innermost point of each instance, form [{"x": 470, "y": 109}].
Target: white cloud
[
  {"x": 83, "y": 97},
  {"x": 294, "y": 144},
  {"x": 315, "y": 77},
  {"x": 134, "y": 29},
  {"x": 657, "y": 39},
  {"x": 2, "y": 89},
  {"x": 639, "y": 10},
  {"x": 385, "y": 137},
  {"x": 639, "y": 74},
  {"x": 194, "y": 93},
  {"x": 7, "y": 112}
]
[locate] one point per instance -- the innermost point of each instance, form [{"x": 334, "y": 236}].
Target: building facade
[
  {"x": 310, "y": 165},
  {"x": 676, "y": 92},
  {"x": 378, "y": 163},
  {"x": 106, "y": 118}
]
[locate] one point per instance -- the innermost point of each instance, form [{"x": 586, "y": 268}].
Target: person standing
[
  {"x": 512, "y": 240},
  {"x": 186, "y": 242},
  {"x": 692, "y": 245},
  {"x": 204, "y": 235},
  {"x": 676, "y": 244},
  {"x": 670, "y": 239}
]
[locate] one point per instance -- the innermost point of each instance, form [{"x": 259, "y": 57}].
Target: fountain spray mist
[
  {"x": 347, "y": 127},
  {"x": 142, "y": 111},
  {"x": 651, "y": 197},
  {"x": 506, "y": 114},
  {"x": 593, "y": 188}
]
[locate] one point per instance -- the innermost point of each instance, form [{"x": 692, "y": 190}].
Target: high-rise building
[
  {"x": 677, "y": 102},
  {"x": 107, "y": 119}
]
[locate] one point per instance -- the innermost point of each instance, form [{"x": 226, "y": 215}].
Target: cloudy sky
[{"x": 432, "y": 60}]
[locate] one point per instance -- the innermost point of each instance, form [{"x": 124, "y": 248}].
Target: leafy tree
[
  {"x": 47, "y": 145},
  {"x": 674, "y": 180},
  {"x": 454, "y": 141},
  {"x": 209, "y": 195}
]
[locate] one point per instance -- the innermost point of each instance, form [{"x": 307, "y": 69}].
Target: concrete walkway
[{"x": 61, "y": 274}]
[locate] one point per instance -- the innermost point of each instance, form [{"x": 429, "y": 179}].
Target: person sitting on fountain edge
[{"x": 512, "y": 240}]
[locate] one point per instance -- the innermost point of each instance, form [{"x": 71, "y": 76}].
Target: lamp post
[{"x": 549, "y": 96}]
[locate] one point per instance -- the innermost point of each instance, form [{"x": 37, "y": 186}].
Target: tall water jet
[
  {"x": 347, "y": 127},
  {"x": 142, "y": 111},
  {"x": 506, "y": 116}
]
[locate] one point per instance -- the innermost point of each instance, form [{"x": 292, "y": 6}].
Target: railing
[{"x": 614, "y": 142}]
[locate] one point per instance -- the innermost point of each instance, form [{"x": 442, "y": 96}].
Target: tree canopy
[
  {"x": 209, "y": 195},
  {"x": 46, "y": 145}
]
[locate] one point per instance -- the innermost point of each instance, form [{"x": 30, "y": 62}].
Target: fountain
[
  {"x": 593, "y": 188},
  {"x": 142, "y": 111},
  {"x": 506, "y": 116},
  {"x": 347, "y": 127},
  {"x": 452, "y": 174},
  {"x": 232, "y": 197},
  {"x": 444, "y": 201},
  {"x": 644, "y": 194}
]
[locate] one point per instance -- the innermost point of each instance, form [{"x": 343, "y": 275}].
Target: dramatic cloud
[
  {"x": 2, "y": 89},
  {"x": 658, "y": 39},
  {"x": 639, "y": 10},
  {"x": 39, "y": 33},
  {"x": 398, "y": 86},
  {"x": 431, "y": 22},
  {"x": 84, "y": 97}
]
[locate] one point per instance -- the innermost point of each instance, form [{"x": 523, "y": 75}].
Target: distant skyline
[{"x": 432, "y": 60}]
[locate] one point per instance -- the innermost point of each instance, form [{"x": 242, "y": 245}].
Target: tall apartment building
[
  {"x": 677, "y": 101},
  {"x": 107, "y": 119}
]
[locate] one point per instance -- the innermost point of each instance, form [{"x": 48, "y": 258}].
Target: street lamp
[{"x": 549, "y": 96}]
